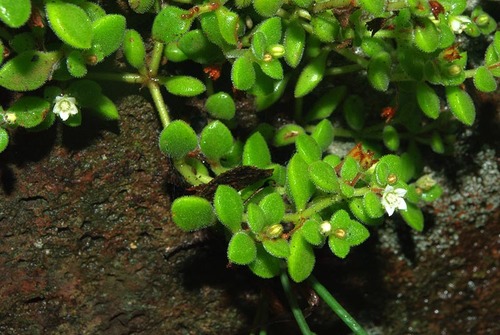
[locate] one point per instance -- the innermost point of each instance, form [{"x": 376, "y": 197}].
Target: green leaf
[
  {"x": 228, "y": 24},
  {"x": 287, "y": 134},
  {"x": 301, "y": 260},
  {"x": 308, "y": 148},
  {"x": 141, "y": 6},
  {"x": 272, "y": 68},
  {"x": 324, "y": 177},
  {"x": 198, "y": 48},
  {"x": 221, "y": 106},
  {"x": 192, "y": 213},
  {"x": 303, "y": 3},
  {"x": 84, "y": 91},
  {"x": 4, "y": 139},
  {"x": 378, "y": 72},
  {"x": 134, "y": 48},
  {"x": 233, "y": 157},
  {"x": 311, "y": 75},
  {"x": 173, "y": 53},
  {"x": 492, "y": 57},
  {"x": 484, "y": 80},
  {"x": 350, "y": 169},
  {"x": 22, "y": 42},
  {"x": 76, "y": 64},
  {"x": 426, "y": 35},
  {"x": 264, "y": 101},
  {"x": 382, "y": 173},
  {"x": 256, "y": 218},
  {"x": 294, "y": 43},
  {"x": 273, "y": 207},
  {"x": 184, "y": 86},
  {"x": 340, "y": 248},
  {"x": 394, "y": 166},
  {"x": 267, "y": 8},
  {"x": 437, "y": 144},
  {"x": 372, "y": 205},
  {"x": 265, "y": 265},
  {"x": 354, "y": 111},
  {"x": 70, "y": 23},
  {"x": 299, "y": 187},
  {"x": 28, "y": 70},
  {"x": 432, "y": 194},
  {"x": 243, "y": 73},
  {"x": 413, "y": 216},
  {"x": 325, "y": 26},
  {"x": 461, "y": 104},
  {"x": 170, "y": 24},
  {"x": 30, "y": 111},
  {"x": 390, "y": 137},
  {"x": 278, "y": 247},
  {"x": 327, "y": 103},
  {"x": 428, "y": 100},
  {"x": 108, "y": 33},
  {"x": 104, "y": 108},
  {"x": 241, "y": 249},
  {"x": 271, "y": 28},
  {"x": 376, "y": 8},
  {"x": 216, "y": 140},
  {"x": 259, "y": 45},
  {"x": 256, "y": 152},
  {"x": 178, "y": 139},
  {"x": 15, "y": 13},
  {"x": 323, "y": 134},
  {"x": 311, "y": 232}
]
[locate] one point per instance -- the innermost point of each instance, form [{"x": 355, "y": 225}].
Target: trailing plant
[{"x": 304, "y": 58}]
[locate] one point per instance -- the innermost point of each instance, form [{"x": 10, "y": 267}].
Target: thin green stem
[
  {"x": 348, "y": 54},
  {"x": 130, "y": 78},
  {"x": 155, "y": 61},
  {"x": 323, "y": 6},
  {"x": 161, "y": 107},
  {"x": 316, "y": 206},
  {"x": 336, "y": 307},
  {"x": 189, "y": 174},
  {"x": 297, "y": 312}
]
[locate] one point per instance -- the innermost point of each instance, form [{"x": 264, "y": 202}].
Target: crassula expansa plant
[{"x": 388, "y": 75}]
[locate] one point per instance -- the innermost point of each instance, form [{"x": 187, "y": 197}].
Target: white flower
[
  {"x": 392, "y": 199},
  {"x": 459, "y": 23},
  {"x": 65, "y": 106},
  {"x": 325, "y": 228}
]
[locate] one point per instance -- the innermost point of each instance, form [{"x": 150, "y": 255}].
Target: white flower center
[{"x": 65, "y": 105}]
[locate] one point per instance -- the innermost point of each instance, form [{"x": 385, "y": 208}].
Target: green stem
[
  {"x": 130, "y": 78},
  {"x": 189, "y": 175},
  {"x": 155, "y": 61},
  {"x": 161, "y": 107},
  {"x": 348, "y": 54},
  {"x": 336, "y": 307},
  {"x": 297, "y": 312},
  {"x": 323, "y": 6},
  {"x": 316, "y": 206}
]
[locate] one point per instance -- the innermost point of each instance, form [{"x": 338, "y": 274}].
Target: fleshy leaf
[
  {"x": 287, "y": 134},
  {"x": 299, "y": 187},
  {"x": 192, "y": 213},
  {"x": 178, "y": 139},
  {"x": 302, "y": 259},
  {"x": 134, "y": 48},
  {"x": 461, "y": 104},
  {"x": 391, "y": 137},
  {"x": 228, "y": 24},
  {"x": 243, "y": 73},
  {"x": 267, "y": 8},
  {"x": 428, "y": 100},
  {"x": 327, "y": 103},
  {"x": 228, "y": 207},
  {"x": 215, "y": 140},
  {"x": 354, "y": 112},
  {"x": 30, "y": 111},
  {"x": 308, "y": 148},
  {"x": 4, "y": 139},
  {"x": 294, "y": 43},
  {"x": 241, "y": 249},
  {"x": 256, "y": 218},
  {"x": 413, "y": 216},
  {"x": 311, "y": 75},
  {"x": 323, "y": 134},
  {"x": 323, "y": 176},
  {"x": 15, "y": 13},
  {"x": 273, "y": 207},
  {"x": 265, "y": 265},
  {"x": 108, "y": 33},
  {"x": 221, "y": 105},
  {"x": 256, "y": 152},
  {"x": 141, "y": 6},
  {"x": 76, "y": 64},
  {"x": 484, "y": 80},
  {"x": 184, "y": 86},
  {"x": 70, "y": 23},
  {"x": 170, "y": 24},
  {"x": 278, "y": 247},
  {"x": 28, "y": 70},
  {"x": 310, "y": 231}
]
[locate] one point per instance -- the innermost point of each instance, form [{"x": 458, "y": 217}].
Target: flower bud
[
  {"x": 10, "y": 118},
  {"x": 392, "y": 179},
  {"x": 325, "y": 228},
  {"x": 274, "y": 231},
  {"x": 454, "y": 70},
  {"x": 482, "y": 20},
  {"x": 425, "y": 182},
  {"x": 340, "y": 233},
  {"x": 276, "y": 50}
]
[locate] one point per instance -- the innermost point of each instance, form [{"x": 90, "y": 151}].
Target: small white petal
[{"x": 400, "y": 192}]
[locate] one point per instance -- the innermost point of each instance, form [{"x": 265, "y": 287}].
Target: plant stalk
[
  {"x": 297, "y": 312},
  {"x": 336, "y": 307}
]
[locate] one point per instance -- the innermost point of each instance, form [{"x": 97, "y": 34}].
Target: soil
[{"x": 85, "y": 237}]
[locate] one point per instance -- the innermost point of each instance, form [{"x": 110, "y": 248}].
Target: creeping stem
[
  {"x": 335, "y": 306},
  {"x": 297, "y": 312}
]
